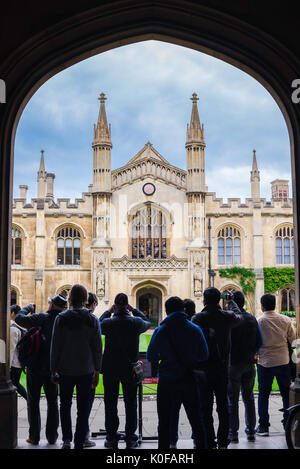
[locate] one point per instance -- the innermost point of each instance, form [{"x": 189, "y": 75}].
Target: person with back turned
[
  {"x": 246, "y": 339},
  {"x": 216, "y": 325},
  {"x": 39, "y": 375},
  {"x": 121, "y": 332},
  {"x": 179, "y": 347}
]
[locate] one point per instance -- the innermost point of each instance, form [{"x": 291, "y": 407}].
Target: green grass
[{"x": 148, "y": 388}]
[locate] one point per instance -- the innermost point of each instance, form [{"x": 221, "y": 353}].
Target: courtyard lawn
[{"x": 147, "y": 388}]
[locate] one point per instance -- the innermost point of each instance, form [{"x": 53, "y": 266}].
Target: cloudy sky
[{"x": 148, "y": 87}]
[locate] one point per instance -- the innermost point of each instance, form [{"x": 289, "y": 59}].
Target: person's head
[
  {"x": 78, "y": 296},
  {"x": 92, "y": 302},
  {"x": 58, "y": 302},
  {"x": 121, "y": 301},
  {"x": 268, "y": 302},
  {"x": 189, "y": 307},
  {"x": 211, "y": 296},
  {"x": 239, "y": 298},
  {"x": 14, "y": 309},
  {"x": 173, "y": 305}
]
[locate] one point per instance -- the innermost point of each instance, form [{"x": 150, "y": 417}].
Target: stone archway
[
  {"x": 149, "y": 301},
  {"x": 59, "y": 40}
]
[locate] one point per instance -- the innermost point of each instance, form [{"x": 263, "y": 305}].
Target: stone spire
[
  {"x": 102, "y": 132},
  {"x": 255, "y": 179},
  {"x": 195, "y": 132},
  {"x": 41, "y": 178},
  {"x": 195, "y": 149},
  {"x": 102, "y": 151}
]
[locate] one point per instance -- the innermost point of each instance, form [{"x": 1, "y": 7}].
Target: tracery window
[
  {"x": 149, "y": 233},
  {"x": 16, "y": 246},
  {"x": 287, "y": 297},
  {"x": 284, "y": 244},
  {"x": 68, "y": 246},
  {"x": 229, "y": 246}
]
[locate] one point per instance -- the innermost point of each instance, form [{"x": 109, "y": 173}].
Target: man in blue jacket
[{"x": 180, "y": 347}]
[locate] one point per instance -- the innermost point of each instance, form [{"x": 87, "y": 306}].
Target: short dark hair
[
  {"x": 78, "y": 296},
  {"x": 211, "y": 295},
  {"x": 174, "y": 304},
  {"x": 15, "y": 309},
  {"x": 268, "y": 301},
  {"x": 189, "y": 306},
  {"x": 121, "y": 300},
  {"x": 239, "y": 298},
  {"x": 92, "y": 298}
]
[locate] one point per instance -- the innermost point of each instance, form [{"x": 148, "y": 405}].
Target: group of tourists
[{"x": 200, "y": 357}]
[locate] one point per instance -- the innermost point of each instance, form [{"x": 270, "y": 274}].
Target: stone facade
[{"x": 144, "y": 229}]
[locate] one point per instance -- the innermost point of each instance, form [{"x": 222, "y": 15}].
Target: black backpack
[
  {"x": 29, "y": 347},
  {"x": 215, "y": 357}
]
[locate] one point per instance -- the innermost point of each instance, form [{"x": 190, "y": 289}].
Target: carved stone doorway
[{"x": 149, "y": 301}]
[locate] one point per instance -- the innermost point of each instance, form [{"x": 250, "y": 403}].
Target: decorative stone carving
[
  {"x": 100, "y": 283},
  {"x": 198, "y": 283},
  {"x": 149, "y": 263}
]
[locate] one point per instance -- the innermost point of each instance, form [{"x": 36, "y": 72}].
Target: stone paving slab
[{"x": 276, "y": 440}]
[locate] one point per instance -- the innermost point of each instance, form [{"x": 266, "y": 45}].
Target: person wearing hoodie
[
  {"x": 216, "y": 325},
  {"x": 75, "y": 361},
  {"x": 39, "y": 375},
  {"x": 180, "y": 347},
  {"x": 122, "y": 332}
]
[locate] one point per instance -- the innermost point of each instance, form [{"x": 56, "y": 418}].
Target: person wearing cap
[{"x": 36, "y": 378}]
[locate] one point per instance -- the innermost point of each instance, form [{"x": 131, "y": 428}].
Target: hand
[
  {"x": 130, "y": 308},
  {"x": 95, "y": 379},
  {"x": 112, "y": 309}
]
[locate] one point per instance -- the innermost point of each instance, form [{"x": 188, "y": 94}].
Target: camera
[{"x": 227, "y": 296}]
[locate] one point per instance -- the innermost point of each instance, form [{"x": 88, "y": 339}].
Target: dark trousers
[
  {"x": 35, "y": 381},
  {"x": 217, "y": 383},
  {"x": 83, "y": 386},
  {"x": 170, "y": 396},
  {"x": 265, "y": 378},
  {"x": 15, "y": 375},
  {"x": 111, "y": 385},
  {"x": 241, "y": 379}
]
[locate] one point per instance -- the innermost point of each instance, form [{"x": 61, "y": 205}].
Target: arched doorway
[{"x": 149, "y": 301}]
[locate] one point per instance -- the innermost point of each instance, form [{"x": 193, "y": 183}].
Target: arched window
[
  {"x": 149, "y": 233},
  {"x": 287, "y": 297},
  {"x": 68, "y": 246},
  {"x": 64, "y": 291},
  {"x": 13, "y": 297},
  {"x": 229, "y": 246},
  {"x": 16, "y": 246},
  {"x": 284, "y": 244}
]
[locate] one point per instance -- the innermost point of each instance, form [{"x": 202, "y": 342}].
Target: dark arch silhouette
[{"x": 40, "y": 45}]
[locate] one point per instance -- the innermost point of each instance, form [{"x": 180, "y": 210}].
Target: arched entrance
[
  {"x": 149, "y": 301},
  {"x": 233, "y": 33}
]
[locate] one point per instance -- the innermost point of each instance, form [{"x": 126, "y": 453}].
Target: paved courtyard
[{"x": 276, "y": 440}]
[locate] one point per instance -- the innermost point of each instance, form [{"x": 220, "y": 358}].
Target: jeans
[
  {"x": 35, "y": 381},
  {"x": 15, "y": 375},
  {"x": 111, "y": 385},
  {"x": 265, "y": 379},
  {"x": 217, "y": 384},
  {"x": 170, "y": 396},
  {"x": 83, "y": 393},
  {"x": 241, "y": 378}
]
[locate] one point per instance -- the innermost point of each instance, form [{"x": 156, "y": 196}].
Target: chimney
[
  {"x": 23, "y": 192},
  {"x": 50, "y": 180}
]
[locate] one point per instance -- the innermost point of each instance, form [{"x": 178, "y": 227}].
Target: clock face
[{"x": 148, "y": 188}]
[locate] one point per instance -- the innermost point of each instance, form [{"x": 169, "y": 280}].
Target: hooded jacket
[
  {"x": 246, "y": 340},
  {"x": 76, "y": 347},
  {"x": 190, "y": 346}
]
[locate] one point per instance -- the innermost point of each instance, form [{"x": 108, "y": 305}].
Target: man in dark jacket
[
  {"x": 39, "y": 375},
  {"x": 121, "y": 332},
  {"x": 180, "y": 347},
  {"x": 246, "y": 339},
  {"x": 216, "y": 325}
]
